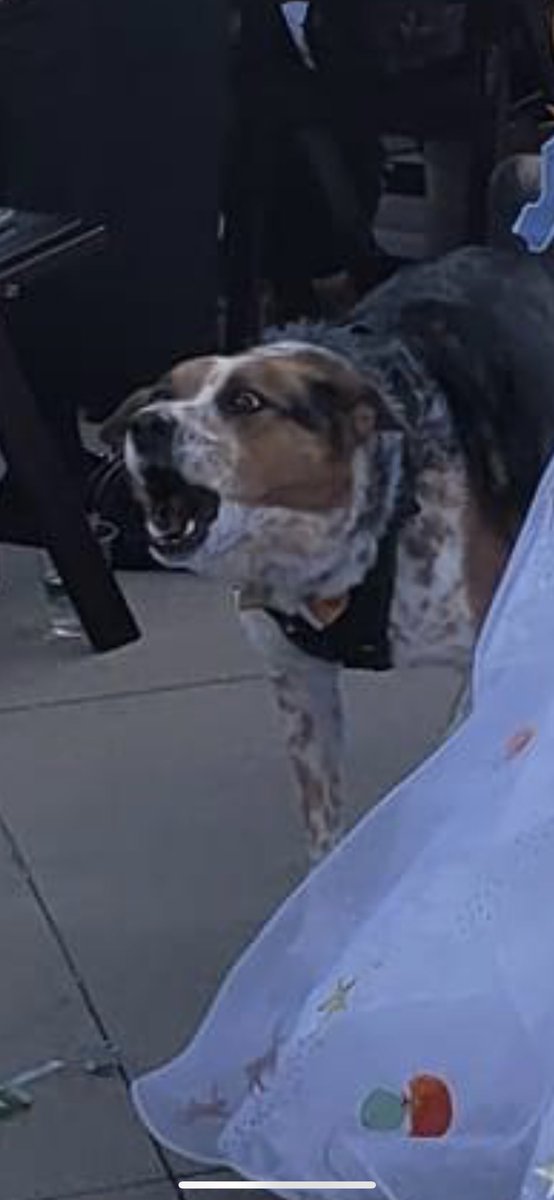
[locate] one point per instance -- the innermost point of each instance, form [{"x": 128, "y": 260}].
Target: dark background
[{"x": 113, "y": 109}]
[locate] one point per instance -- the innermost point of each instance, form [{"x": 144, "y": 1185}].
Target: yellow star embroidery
[
  {"x": 547, "y": 1173},
  {"x": 338, "y": 1000}
]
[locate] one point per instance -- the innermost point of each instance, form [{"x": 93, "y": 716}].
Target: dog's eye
[{"x": 242, "y": 404}]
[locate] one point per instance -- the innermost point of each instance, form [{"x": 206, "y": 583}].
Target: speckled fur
[
  {"x": 431, "y": 617},
  {"x": 464, "y": 380}
]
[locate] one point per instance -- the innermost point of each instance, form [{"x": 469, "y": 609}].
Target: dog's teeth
[{"x": 190, "y": 526}]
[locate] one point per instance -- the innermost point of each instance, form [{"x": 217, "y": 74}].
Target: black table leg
[{"x": 33, "y": 457}]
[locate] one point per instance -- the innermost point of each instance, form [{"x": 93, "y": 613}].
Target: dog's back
[{"x": 481, "y": 322}]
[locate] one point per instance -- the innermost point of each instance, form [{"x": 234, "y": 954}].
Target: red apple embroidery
[
  {"x": 426, "y": 1106},
  {"x": 430, "y": 1106}
]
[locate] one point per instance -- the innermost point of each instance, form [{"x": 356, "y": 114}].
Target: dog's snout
[{"x": 152, "y": 431}]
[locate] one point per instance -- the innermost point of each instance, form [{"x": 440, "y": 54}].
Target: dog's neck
[{"x": 281, "y": 559}]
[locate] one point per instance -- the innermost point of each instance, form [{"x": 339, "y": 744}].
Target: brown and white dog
[{"x": 386, "y": 462}]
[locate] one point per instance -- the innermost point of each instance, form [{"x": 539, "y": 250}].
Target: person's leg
[
  {"x": 163, "y": 98},
  {"x": 447, "y": 166}
]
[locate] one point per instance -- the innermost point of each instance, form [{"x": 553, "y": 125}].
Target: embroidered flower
[
  {"x": 260, "y": 1068},
  {"x": 519, "y": 741},
  {"x": 338, "y": 1000},
  {"x": 214, "y": 1108}
]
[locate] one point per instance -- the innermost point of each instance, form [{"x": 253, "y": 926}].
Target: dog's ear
[
  {"x": 114, "y": 428},
  {"x": 350, "y": 412},
  {"x": 341, "y": 400}
]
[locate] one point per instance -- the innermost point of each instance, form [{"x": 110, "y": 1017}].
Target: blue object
[{"x": 535, "y": 224}]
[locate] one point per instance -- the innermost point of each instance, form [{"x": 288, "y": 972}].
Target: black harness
[{"x": 359, "y": 639}]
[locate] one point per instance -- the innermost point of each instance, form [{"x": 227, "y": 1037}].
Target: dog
[{"x": 359, "y": 485}]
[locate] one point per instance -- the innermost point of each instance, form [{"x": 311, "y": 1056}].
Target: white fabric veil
[{"x": 423, "y": 947}]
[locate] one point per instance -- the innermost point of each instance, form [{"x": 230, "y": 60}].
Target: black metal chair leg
[{"x": 33, "y": 457}]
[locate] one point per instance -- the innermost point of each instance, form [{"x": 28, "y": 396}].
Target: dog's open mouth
[{"x": 179, "y": 514}]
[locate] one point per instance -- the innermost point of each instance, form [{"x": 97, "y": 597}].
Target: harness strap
[{"x": 359, "y": 638}]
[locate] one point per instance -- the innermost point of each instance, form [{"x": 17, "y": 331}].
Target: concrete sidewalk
[{"x": 148, "y": 829}]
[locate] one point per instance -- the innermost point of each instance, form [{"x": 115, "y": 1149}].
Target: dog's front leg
[
  {"x": 309, "y": 701},
  {"x": 310, "y": 707}
]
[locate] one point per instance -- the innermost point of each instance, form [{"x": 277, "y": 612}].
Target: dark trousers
[{"x": 277, "y": 99}]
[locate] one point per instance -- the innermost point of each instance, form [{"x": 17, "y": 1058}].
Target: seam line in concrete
[
  {"x": 166, "y": 689},
  {"x": 68, "y": 958}
]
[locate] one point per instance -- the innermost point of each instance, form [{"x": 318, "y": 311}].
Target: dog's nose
[{"x": 151, "y": 430}]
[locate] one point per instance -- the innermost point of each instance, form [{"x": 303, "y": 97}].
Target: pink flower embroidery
[
  {"x": 214, "y": 1108},
  {"x": 519, "y": 742},
  {"x": 257, "y": 1070}
]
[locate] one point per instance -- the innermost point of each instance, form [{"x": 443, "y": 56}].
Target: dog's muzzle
[
  {"x": 178, "y": 513},
  {"x": 152, "y": 433}
]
